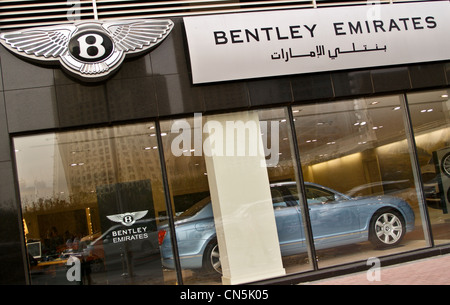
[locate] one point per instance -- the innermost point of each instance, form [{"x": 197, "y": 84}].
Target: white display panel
[{"x": 262, "y": 44}]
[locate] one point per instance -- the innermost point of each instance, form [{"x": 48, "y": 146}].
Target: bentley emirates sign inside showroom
[{"x": 262, "y": 44}]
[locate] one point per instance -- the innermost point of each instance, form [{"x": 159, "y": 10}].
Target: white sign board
[{"x": 262, "y": 44}]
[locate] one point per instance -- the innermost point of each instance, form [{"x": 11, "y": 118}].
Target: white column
[{"x": 241, "y": 199}]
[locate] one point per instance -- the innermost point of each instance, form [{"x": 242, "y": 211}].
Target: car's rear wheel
[
  {"x": 387, "y": 228},
  {"x": 211, "y": 258}
]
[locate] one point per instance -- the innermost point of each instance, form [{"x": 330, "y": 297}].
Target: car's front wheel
[
  {"x": 211, "y": 258},
  {"x": 387, "y": 228}
]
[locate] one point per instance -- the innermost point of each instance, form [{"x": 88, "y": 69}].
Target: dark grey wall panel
[
  {"x": 171, "y": 56},
  {"x": 12, "y": 265},
  {"x": 131, "y": 98},
  {"x": 21, "y": 74},
  {"x": 5, "y": 152},
  {"x": 390, "y": 79},
  {"x": 175, "y": 95},
  {"x": 312, "y": 86},
  {"x": 80, "y": 104},
  {"x": 349, "y": 83},
  {"x": 427, "y": 75},
  {"x": 31, "y": 109},
  {"x": 270, "y": 91},
  {"x": 233, "y": 95}
]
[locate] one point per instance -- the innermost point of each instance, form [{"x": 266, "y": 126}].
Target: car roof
[{"x": 286, "y": 183}]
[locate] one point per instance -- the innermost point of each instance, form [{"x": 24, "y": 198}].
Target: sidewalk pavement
[{"x": 429, "y": 271}]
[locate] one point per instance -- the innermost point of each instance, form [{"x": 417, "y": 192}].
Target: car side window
[
  {"x": 319, "y": 196},
  {"x": 277, "y": 199},
  {"x": 315, "y": 195}
]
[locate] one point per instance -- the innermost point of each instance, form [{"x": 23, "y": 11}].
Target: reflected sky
[{"x": 39, "y": 168}]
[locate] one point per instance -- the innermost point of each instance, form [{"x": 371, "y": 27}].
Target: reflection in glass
[
  {"x": 355, "y": 152},
  {"x": 188, "y": 183},
  {"x": 430, "y": 118},
  {"x": 195, "y": 221},
  {"x": 91, "y": 202},
  {"x": 284, "y": 188}
]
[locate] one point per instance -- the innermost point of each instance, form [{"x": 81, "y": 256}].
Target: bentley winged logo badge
[
  {"x": 88, "y": 49},
  {"x": 127, "y": 219}
]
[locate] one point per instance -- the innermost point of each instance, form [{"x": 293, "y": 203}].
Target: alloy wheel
[
  {"x": 215, "y": 259},
  {"x": 388, "y": 228}
]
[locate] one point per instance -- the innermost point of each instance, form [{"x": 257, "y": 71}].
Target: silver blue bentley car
[{"x": 336, "y": 220}]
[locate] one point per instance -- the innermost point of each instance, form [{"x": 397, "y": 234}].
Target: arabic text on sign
[{"x": 320, "y": 50}]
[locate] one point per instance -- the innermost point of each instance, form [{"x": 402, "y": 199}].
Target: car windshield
[{"x": 196, "y": 207}]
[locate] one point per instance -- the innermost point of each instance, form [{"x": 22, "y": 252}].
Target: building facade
[{"x": 300, "y": 140}]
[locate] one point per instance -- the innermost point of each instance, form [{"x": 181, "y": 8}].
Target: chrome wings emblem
[
  {"x": 88, "y": 49},
  {"x": 127, "y": 219}
]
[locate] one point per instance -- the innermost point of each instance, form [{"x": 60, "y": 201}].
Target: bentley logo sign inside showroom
[
  {"x": 91, "y": 49},
  {"x": 261, "y": 44}
]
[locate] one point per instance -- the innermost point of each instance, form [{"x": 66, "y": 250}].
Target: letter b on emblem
[
  {"x": 91, "y": 46},
  {"x": 94, "y": 42}
]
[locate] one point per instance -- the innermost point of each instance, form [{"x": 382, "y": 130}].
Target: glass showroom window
[
  {"x": 430, "y": 118},
  {"x": 230, "y": 179},
  {"x": 92, "y": 201},
  {"x": 189, "y": 190},
  {"x": 289, "y": 214},
  {"x": 360, "y": 187}
]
